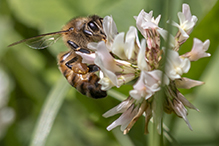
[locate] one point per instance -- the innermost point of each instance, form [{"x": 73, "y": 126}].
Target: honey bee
[{"x": 76, "y": 34}]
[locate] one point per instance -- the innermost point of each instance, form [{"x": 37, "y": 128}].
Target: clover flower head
[{"x": 122, "y": 57}]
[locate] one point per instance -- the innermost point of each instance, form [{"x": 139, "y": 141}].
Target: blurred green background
[{"x": 30, "y": 78}]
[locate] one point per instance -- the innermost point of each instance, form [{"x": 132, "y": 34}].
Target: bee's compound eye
[{"x": 93, "y": 26}]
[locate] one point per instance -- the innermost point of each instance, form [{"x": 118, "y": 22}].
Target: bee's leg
[
  {"x": 75, "y": 47},
  {"x": 93, "y": 68},
  {"x": 76, "y": 65}
]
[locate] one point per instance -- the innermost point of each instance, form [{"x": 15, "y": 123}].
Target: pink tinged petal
[
  {"x": 147, "y": 84},
  {"x": 152, "y": 82},
  {"x": 104, "y": 59},
  {"x": 139, "y": 91},
  {"x": 186, "y": 11},
  {"x": 124, "y": 119},
  {"x": 185, "y": 101},
  {"x": 157, "y": 74},
  {"x": 107, "y": 65},
  {"x": 198, "y": 50},
  {"x": 87, "y": 58},
  {"x": 146, "y": 21},
  {"x": 187, "y": 83}
]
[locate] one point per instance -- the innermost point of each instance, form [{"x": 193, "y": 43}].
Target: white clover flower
[
  {"x": 176, "y": 65},
  {"x": 198, "y": 50},
  {"x": 148, "y": 26},
  {"x": 186, "y": 22},
  {"x": 146, "y": 21}
]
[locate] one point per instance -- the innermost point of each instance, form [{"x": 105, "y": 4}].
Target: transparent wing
[{"x": 42, "y": 41}]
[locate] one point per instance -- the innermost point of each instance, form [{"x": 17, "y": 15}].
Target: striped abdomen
[{"x": 79, "y": 75}]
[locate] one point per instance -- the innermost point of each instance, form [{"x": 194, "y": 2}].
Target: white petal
[
  {"x": 131, "y": 40},
  {"x": 185, "y": 65},
  {"x": 119, "y": 45},
  {"x": 106, "y": 83},
  {"x": 92, "y": 46},
  {"x": 141, "y": 60},
  {"x": 87, "y": 58},
  {"x": 110, "y": 29},
  {"x": 175, "y": 65},
  {"x": 186, "y": 11},
  {"x": 104, "y": 59}
]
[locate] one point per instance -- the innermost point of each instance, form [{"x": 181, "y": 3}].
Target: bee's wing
[{"x": 42, "y": 41}]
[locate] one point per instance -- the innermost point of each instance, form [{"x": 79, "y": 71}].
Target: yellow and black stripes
[{"x": 80, "y": 76}]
